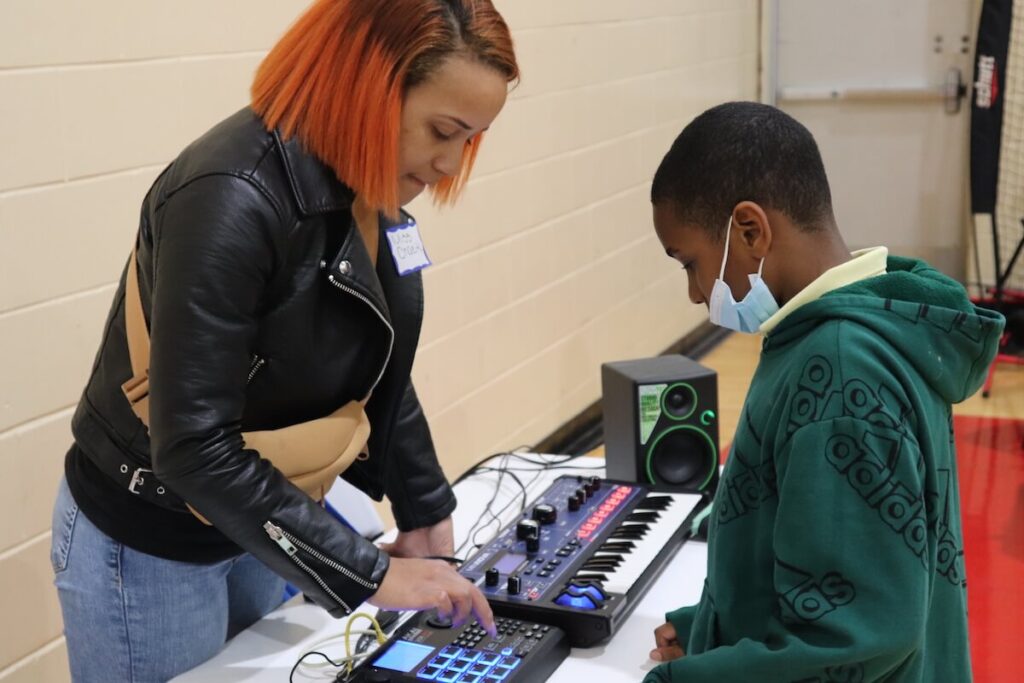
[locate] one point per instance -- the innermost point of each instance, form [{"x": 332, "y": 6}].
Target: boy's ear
[{"x": 751, "y": 225}]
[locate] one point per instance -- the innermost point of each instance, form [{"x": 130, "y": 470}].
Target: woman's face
[{"x": 439, "y": 118}]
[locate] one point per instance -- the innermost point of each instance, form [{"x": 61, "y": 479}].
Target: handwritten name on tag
[{"x": 407, "y": 248}]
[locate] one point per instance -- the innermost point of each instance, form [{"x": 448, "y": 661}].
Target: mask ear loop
[
  {"x": 760, "y": 267},
  {"x": 725, "y": 256}
]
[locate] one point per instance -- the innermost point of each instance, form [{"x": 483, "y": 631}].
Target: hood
[{"x": 923, "y": 314}]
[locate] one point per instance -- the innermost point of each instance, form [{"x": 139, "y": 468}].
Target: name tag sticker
[{"x": 407, "y": 248}]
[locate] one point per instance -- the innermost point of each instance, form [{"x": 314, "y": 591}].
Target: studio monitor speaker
[{"x": 661, "y": 422}]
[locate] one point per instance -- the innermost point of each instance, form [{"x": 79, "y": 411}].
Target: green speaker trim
[
  {"x": 667, "y": 391},
  {"x": 712, "y": 450}
]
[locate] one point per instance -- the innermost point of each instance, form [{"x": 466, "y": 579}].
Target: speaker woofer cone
[{"x": 682, "y": 456}]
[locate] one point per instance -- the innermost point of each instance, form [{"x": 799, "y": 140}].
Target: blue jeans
[{"x": 130, "y": 617}]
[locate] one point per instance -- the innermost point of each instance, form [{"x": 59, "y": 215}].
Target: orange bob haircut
[{"x": 338, "y": 77}]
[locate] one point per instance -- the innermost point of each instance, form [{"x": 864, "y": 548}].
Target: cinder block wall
[{"x": 547, "y": 268}]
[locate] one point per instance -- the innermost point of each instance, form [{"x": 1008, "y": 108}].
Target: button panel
[{"x": 473, "y": 657}]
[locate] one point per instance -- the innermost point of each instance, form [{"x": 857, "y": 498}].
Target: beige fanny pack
[{"x": 310, "y": 454}]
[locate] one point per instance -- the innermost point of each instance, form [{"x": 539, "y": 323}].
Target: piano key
[
  {"x": 632, "y": 534},
  {"x": 655, "y": 502},
  {"x": 608, "y": 556},
  {"x": 675, "y": 508},
  {"x": 648, "y": 516},
  {"x": 601, "y": 566},
  {"x": 617, "y": 546}
]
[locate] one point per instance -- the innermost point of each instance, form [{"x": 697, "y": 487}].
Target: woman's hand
[
  {"x": 437, "y": 541},
  {"x": 413, "y": 583},
  {"x": 432, "y": 584},
  {"x": 666, "y": 647}
]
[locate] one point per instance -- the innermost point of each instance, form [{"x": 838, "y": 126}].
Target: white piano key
[{"x": 635, "y": 562}]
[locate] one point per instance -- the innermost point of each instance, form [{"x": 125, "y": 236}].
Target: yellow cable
[{"x": 381, "y": 638}]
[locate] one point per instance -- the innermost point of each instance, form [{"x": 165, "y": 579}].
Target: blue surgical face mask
[{"x": 746, "y": 315}]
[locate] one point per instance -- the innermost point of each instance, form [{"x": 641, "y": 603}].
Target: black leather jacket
[{"x": 265, "y": 310}]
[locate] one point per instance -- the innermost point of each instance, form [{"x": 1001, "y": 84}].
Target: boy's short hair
[{"x": 744, "y": 151}]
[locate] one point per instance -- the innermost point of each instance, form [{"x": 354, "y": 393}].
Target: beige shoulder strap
[
  {"x": 136, "y": 389},
  {"x": 311, "y": 454}
]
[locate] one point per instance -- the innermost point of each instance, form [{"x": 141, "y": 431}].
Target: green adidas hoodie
[{"x": 835, "y": 549}]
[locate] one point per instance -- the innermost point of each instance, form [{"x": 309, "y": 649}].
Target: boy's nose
[{"x": 696, "y": 296}]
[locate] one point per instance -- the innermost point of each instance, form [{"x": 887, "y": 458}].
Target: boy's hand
[{"x": 666, "y": 647}]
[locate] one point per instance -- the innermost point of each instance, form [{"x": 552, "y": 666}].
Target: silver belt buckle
[{"x": 138, "y": 479}]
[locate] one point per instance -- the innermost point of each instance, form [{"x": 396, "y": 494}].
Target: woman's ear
[{"x": 753, "y": 228}]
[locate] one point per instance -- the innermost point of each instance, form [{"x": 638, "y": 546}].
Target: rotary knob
[
  {"x": 492, "y": 576},
  {"x": 532, "y": 545},
  {"x": 574, "y": 503},
  {"x": 545, "y": 514},
  {"x": 515, "y": 584},
  {"x": 527, "y": 528}
]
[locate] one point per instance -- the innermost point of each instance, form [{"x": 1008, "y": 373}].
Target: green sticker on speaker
[{"x": 650, "y": 409}]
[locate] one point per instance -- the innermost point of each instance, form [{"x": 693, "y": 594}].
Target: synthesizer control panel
[{"x": 582, "y": 554}]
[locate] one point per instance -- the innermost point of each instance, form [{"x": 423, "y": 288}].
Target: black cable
[
  {"x": 468, "y": 473},
  {"x": 489, "y": 516},
  {"x": 333, "y": 663},
  {"x": 545, "y": 469},
  {"x": 496, "y": 516},
  {"x": 497, "y": 488},
  {"x": 502, "y": 470}
]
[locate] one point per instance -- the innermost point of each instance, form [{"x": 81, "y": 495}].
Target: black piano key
[
  {"x": 617, "y": 547},
  {"x": 595, "y": 577},
  {"x": 643, "y": 517},
  {"x": 633, "y": 532},
  {"x": 654, "y": 503},
  {"x": 607, "y": 556},
  {"x": 601, "y": 564}
]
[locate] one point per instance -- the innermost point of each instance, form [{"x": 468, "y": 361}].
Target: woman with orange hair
[{"x": 261, "y": 342}]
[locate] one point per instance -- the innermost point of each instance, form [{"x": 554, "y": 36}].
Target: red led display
[{"x": 606, "y": 510}]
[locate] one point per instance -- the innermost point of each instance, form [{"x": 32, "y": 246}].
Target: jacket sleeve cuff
[{"x": 354, "y": 593}]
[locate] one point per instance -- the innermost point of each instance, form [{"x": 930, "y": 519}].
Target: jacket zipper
[
  {"x": 291, "y": 545},
  {"x": 257, "y": 365},
  {"x": 391, "y": 340}
]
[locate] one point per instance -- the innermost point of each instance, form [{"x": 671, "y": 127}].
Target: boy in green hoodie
[{"x": 835, "y": 549}]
